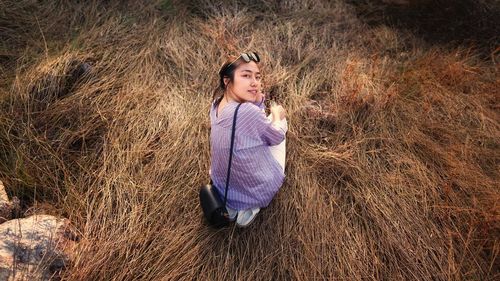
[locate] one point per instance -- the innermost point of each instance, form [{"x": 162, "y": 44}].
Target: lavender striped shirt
[{"x": 255, "y": 174}]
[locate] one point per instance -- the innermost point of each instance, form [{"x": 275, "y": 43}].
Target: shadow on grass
[{"x": 455, "y": 22}]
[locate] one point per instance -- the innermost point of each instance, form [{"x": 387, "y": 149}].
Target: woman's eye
[{"x": 258, "y": 77}]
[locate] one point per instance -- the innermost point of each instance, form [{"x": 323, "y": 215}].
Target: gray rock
[
  {"x": 35, "y": 248},
  {"x": 8, "y": 208}
]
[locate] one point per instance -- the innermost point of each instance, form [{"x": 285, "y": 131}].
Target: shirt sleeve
[{"x": 252, "y": 121}]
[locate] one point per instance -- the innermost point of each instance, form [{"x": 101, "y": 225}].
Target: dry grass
[{"x": 395, "y": 177}]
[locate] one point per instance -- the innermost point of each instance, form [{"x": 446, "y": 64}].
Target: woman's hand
[
  {"x": 260, "y": 97},
  {"x": 277, "y": 111}
]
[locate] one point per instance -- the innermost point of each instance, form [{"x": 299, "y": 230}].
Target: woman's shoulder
[
  {"x": 251, "y": 117},
  {"x": 248, "y": 108}
]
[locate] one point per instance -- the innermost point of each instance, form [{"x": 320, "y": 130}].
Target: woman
[{"x": 257, "y": 168}]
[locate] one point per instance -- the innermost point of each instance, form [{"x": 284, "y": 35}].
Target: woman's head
[{"x": 240, "y": 78}]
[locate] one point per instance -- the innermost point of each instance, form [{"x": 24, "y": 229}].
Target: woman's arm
[{"x": 253, "y": 121}]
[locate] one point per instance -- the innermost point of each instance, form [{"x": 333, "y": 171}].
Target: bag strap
[{"x": 231, "y": 153}]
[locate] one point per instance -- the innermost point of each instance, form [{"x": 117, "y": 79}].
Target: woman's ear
[{"x": 226, "y": 81}]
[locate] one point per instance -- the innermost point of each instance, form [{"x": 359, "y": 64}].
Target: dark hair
[{"x": 226, "y": 71}]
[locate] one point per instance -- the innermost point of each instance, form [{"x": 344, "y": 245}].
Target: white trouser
[{"x": 279, "y": 151}]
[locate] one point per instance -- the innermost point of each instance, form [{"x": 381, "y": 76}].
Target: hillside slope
[{"x": 393, "y": 148}]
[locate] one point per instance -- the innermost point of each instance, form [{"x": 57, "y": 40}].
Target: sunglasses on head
[{"x": 247, "y": 57}]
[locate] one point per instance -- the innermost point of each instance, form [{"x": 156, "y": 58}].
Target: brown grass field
[{"x": 393, "y": 159}]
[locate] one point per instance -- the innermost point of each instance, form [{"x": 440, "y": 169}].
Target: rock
[
  {"x": 3, "y": 194},
  {"x": 7, "y": 207},
  {"x": 35, "y": 248}
]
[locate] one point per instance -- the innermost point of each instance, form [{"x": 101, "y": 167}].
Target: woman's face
[{"x": 246, "y": 85}]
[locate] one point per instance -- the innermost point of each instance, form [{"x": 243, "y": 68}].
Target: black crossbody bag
[{"x": 213, "y": 207}]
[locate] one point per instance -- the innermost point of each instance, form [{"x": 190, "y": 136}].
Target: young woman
[{"x": 257, "y": 168}]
